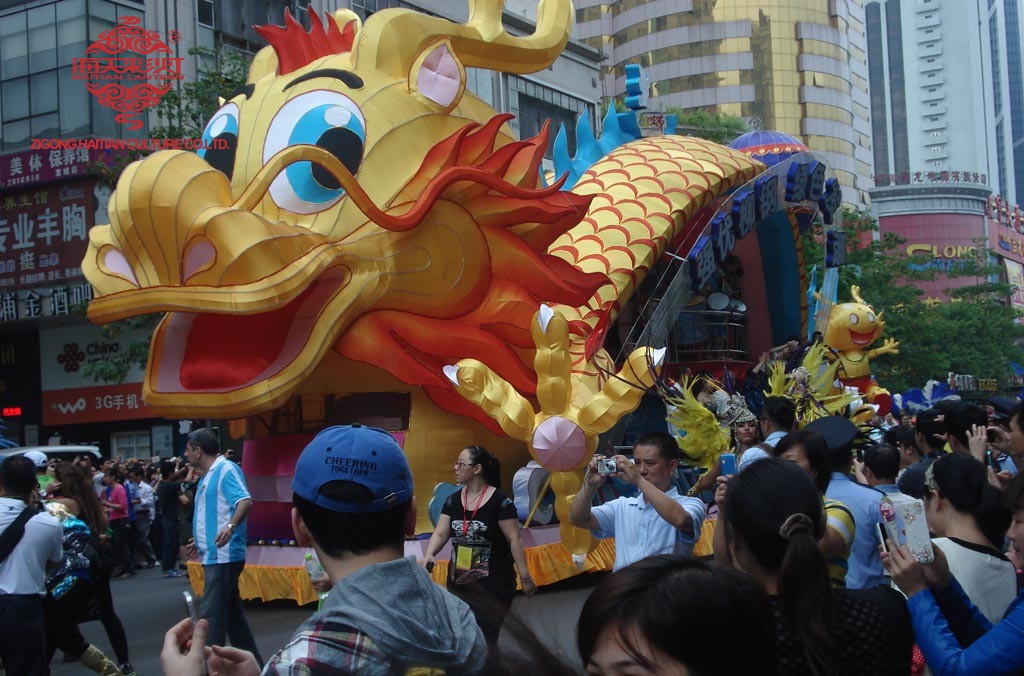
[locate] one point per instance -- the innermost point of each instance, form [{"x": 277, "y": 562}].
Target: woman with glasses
[{"x": 483, "y": 525}]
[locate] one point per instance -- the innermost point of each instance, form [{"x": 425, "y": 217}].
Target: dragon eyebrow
[
  {"x": 348, "y": 77},
  {"x": 246, "y": 89}
]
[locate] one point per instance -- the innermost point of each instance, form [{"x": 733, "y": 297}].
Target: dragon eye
[
  {"x": 223, "y": 125},
  {"x": 871, "y": 317},
  {"x": 322, "y": 118},
  {"x": 854, "y": 318}
]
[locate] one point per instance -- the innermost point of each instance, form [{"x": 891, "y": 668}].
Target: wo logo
[
  {"x": 67, "y": 409},
  {"x": 71, "y": 357},
  {"x": 110, "y": 78}
]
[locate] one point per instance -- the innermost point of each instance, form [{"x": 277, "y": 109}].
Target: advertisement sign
[
  {"x": 44, "y": 233},
  {"x": 71, "y": 397},
  {"x": 1015, "y": 278},
  {"x": 1006, "y": 242},
  {"x": 41, "y": 165}
]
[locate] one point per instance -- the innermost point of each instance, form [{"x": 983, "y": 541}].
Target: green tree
[
  {"x": 184, "y": 111},
  {"x": 974, "y": 334},
  {"x": 718, "y": 127}
]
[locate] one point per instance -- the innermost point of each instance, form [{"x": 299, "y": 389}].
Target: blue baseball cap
[{"x": 363, "y": 455}]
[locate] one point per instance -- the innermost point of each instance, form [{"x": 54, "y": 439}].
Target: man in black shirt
[
  {"x": 931, "y": 439},
  {"x": 167, "y": 504}
]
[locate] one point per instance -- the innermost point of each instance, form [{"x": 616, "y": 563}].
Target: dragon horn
[
  {"x": 855, "y": 292},
  {"x": 392, "y": 39}
]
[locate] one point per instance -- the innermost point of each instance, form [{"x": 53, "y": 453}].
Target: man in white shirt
[
  {"x": 23, "y": 571},
  {"x": 657, "y": 521},
  {"x": 143, "y": 503}
]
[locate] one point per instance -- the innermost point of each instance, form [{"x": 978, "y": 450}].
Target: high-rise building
[
  {"x": 946, "y": 99},
  {"x": 796, "y": 66}
]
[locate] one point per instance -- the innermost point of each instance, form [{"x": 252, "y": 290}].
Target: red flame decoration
[{"x": 296, "y": 48}]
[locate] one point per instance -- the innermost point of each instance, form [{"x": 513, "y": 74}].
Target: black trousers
[
  {"x": 490, "y": 605},
  {"x": 122, "y": 544},
  {"x": 111, "y": 622},
  {"x": 23, "y": 635},
  {"x": 62, "y": 632},
  {"x": 168, "y": 542}
]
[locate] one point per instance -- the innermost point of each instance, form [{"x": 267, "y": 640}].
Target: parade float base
[{"x": 278, "y": 572}]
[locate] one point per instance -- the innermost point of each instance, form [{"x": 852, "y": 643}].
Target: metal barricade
[{"x": 710, "y": 335}]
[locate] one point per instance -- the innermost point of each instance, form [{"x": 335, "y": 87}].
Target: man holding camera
[{"x": 657, "y": 521}]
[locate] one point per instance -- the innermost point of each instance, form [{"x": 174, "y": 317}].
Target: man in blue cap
[{"x": 353, "y": 503}]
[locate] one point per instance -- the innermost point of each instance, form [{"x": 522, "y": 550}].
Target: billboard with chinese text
[
  {"x": 71, "y": 397},
  {"x": 44, "y": 233}
]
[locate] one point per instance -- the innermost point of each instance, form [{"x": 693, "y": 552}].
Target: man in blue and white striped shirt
[{"x": 222, "y": 503}]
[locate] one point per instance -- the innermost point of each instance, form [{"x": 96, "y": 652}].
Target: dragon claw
[
  {"x": 451, "y": 372},
  {"x": 544, "y": 316}
]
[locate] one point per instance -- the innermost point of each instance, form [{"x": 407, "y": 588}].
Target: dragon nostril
[
  {"x": 199, "y": 257},
  {"x": 116, "y": 264}
]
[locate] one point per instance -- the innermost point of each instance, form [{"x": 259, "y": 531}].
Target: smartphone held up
[{"x": 191, "y": 609}]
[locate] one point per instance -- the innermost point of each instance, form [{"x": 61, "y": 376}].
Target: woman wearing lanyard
[{"x": 484, "y": 527}]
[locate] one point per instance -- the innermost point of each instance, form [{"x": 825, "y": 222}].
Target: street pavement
[{"x": 148, "y": 604}]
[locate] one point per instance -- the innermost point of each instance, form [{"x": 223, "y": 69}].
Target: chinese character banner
[{"x": 44, "y": 233}]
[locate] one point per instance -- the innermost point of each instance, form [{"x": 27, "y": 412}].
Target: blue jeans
[{"x": 221, "y": 605}]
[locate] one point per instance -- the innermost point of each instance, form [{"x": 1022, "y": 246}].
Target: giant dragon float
[{"x": 370, "y": 242}]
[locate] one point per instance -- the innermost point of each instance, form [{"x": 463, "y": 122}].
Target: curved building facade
[{"x": 797, "y": 66}]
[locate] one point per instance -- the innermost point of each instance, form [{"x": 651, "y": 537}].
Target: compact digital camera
[{"x": 607, "y": 466}]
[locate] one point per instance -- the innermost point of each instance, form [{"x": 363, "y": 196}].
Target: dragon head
[
  {"x": 853, "y": 326},
  {"x": 352, "y": 179}
]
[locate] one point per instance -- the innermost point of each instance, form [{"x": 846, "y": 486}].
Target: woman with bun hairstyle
[
  {"x": 774, "y": 520},
  {"x": 484, "y": 527},
  {"x": 966, "y": 513},
  {"x": 809, "y": 450}
]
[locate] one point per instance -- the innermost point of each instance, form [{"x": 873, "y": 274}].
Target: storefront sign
[
  {"x": 29, "y": 167},
  {"x": 947, "y": 251},
  {"x": 911, "y": 177},
  {"x": 44, "y": 233},
  {"x": 70, "y": 396},
  {"x": 1004, "y": 213},
  {"x": 1015, "y": 278}
]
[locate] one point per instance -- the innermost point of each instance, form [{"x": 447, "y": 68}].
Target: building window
[
  {"x": 204, "y": 13},
  {"x": 135, "y": 444}
]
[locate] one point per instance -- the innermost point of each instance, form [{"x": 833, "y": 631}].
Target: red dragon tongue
[
  {"x": 862, "y": 338},
  {"x": 231, "y": 351}
]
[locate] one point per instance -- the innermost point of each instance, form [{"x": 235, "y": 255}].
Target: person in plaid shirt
[{"x": 354, "y": 505}]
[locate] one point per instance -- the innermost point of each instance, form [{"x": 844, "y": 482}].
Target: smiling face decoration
[{"x": 853, "y": 327}]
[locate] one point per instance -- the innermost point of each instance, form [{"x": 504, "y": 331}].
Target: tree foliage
[
  {"x": 972, "y": 334},
  {"x": 718, "y": 127},
  {"x": 184, "y": 111}
]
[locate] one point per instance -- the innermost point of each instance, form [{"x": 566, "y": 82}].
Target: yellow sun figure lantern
[{"x": 851, "y": 330}]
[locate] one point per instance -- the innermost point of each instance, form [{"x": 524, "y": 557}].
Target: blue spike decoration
[{"x": 619, "y": 129}]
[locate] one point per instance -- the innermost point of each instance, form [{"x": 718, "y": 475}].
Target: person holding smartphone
[
  {"x": 658, "y": 520},
  {"x": 954, "y": 636}
]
